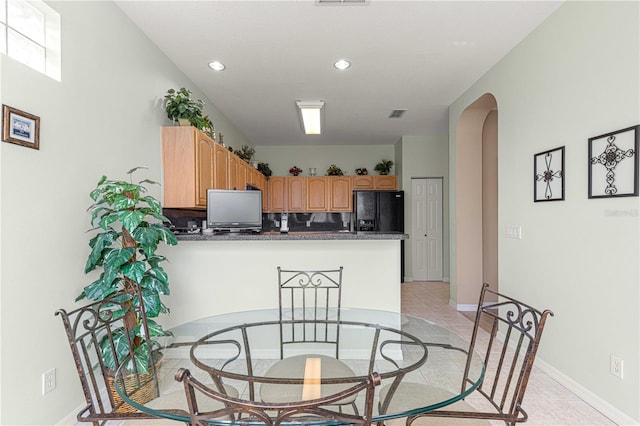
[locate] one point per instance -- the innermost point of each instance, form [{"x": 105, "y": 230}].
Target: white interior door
[{"x": 426, "y": 229}]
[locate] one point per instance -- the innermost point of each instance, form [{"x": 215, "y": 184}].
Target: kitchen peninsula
[
  {"x": 214, "y": 274},
  {"x": 218, "y": 273}
]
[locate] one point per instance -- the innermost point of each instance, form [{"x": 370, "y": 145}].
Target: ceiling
[{"x": 413, "y": 55}]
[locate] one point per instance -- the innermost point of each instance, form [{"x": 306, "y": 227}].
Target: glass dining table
[{"x": 240, "y": 350}]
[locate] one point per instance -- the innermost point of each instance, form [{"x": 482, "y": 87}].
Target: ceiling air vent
[
  {"x": 342, "y": 1},
  {"x": 397, "y": 113}
]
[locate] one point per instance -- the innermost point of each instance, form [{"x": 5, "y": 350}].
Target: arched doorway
[{"x": 476, "y": 207}]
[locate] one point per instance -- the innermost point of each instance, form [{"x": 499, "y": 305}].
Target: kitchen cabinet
[
  {"x": 385, "y": 182},
  {"x": 339, "y": 197},
  {"x": 253, "y": 176},
  {"x": 317, "y": 194},
  {"x": 193, "y": 163},
  {"x": 220, "y": 167},
  {"x": 277, "y": 194},
  {"x": 297, "y": 193},
  {"x": 235, "y": 172},
  {"x": 286, "y": 193},
  {"x": 362, "y": 182},
  {"x": 314, "y": 193},
  {"x": 187, "y": 160}
]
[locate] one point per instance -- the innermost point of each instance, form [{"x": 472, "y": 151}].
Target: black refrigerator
[{"x": 380, "y": 211}]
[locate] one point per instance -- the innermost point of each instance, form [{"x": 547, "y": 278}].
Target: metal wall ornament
[
  {"x": 613, "y": 164},
  {"x": 548, "y": 182}
]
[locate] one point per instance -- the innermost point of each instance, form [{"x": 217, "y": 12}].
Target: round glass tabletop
[{"x": 258, "y": 356}]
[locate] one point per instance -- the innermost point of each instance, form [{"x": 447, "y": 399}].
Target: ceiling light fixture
[
  {"x": 310, "y": 113},
  {"x": 216, "y": 65},
  {"x": 342, "y": 64}
]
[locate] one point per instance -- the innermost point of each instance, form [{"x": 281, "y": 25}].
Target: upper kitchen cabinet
[
  {"x": 221, "y": 167},
  {"x": 362, "y": 182},
  {"x": 237, "y": 173},
  {"x": 188, "y": 163},
  {"x": 340, "y": 198},
  {"x": 385, "y": 182},
  {"x": 317, "y": 194},
  {"x": 297, "y": 193},
  {"x": 374, "y": 182},
  {"x": 277, "y": 194}
]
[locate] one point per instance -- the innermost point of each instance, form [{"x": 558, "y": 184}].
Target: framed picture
[
  {"x": 613, "y": 164},
  {"x": 20, "y": 127},
  {"x": 548, "y": 175}
]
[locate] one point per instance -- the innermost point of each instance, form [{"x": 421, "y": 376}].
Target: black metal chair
[
  {"x": 309, "y": 302},
  {"x": 305, "y": 299},
  {"x": 299, "y": 412},
  {"x": 90, "y": 331},
  {"x": 508, "y": 351}
]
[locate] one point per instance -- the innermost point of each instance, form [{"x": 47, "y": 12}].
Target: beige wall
[
  {"x": 421, "y": 157},
  {"x": 490, "y": 200},
  {"x": 574, "y": 77},
  {"x": 467, "y": 270},
  {"x": 347, "y": 157},
  {"x": 103, "y": 118}
]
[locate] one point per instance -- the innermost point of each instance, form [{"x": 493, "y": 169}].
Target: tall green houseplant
[{"x": 129, "y": 225}]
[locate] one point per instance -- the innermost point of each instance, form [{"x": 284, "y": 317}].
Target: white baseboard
[
  {"x": 604, "y": 407},
  {"x": 466, "y": 308},
  {"x": 586, "y": 395},
  {"x": 70, "y": 419},
  {"x": 408, "y": 280}
]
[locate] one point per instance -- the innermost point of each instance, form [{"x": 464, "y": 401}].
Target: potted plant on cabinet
[
  {"x": 295, "y": 170},
  {"x": 334, "y": 170},
  {"x": 265, "y": 169},
  {"x": 129, "y": 225},
  {"x": 383, "y": 167},
  {"x": 187, "y": 111},
  {"x": 245, "y": 152}
]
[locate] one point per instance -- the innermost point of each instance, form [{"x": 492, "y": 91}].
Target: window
[{"x": 30, "y": 33}]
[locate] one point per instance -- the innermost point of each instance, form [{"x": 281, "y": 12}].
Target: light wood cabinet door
[
  {"x": 277, "y": 194},
  {"x": 386, "y": 182},
  {"x": 265, "y": 196},
  {"x": 220, "y": 167},
  {"x": 297, "y": 193},
  {"x": 235, "y": 170},
  {"x": 362, "y": 182},
  {"x": 339, "y": 193},
  {"x": 187, "y": 161},
  {"x": 317, "y": 194},
  {"x": 253, "y": 176},
  {"x": 205, "y": 149}
]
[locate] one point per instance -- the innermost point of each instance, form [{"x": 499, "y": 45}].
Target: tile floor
[{"x": 547, "y": 402}]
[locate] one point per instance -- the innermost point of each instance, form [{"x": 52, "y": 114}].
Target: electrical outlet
[
  {"x": 48, "y": 381},
  {"x": 617, "y": 367}
]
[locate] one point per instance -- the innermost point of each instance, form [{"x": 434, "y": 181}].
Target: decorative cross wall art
[
  {"x": 613, "y": 164},
  {"x": 548, "y": 182}
]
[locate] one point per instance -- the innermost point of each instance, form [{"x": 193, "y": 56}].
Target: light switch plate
[{"x": 514, "y": 231}]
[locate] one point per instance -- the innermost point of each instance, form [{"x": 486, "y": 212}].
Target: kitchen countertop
[{"x": 292, "y": 236}]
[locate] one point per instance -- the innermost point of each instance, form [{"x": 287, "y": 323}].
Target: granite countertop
[{"x": 293, "y": 236}]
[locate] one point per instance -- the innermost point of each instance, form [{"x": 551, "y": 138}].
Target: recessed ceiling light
[
  {"x": 342, "y": 64},
  {"x": 216, "y": 65}
]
